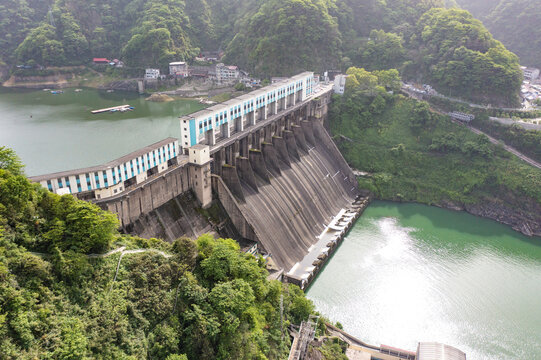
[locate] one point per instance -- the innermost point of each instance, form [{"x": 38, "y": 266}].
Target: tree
[
  {"x": 163, "y": 341},
  {"x": 41, "y": 46},
  {"x": 459, "y": 56},
  {"x": 176, "y": 357},
  {"x": 240, "y": 86},
  {"x": 9, "y": 161},
  {"x": 421, "y": 116},
  {"x": 372, "y": 83},
  {"x": 73, "y": 344},
  {"x": 382, "y": 51},
  {"x": 81, "y": 226},
  {"x": 286, "y": 37}
]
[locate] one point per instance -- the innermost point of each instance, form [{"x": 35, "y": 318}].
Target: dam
[{"x": 265, "y": 157}]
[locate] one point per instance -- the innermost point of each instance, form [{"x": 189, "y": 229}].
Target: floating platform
[{"x": 113, "y": 109}]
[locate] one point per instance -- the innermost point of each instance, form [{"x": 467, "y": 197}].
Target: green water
[
  {"x": 57, "y": 132},
  {"x": 409, "y": 273}
]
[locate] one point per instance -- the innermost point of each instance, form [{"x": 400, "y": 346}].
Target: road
[
  {"x": 410, "y": 90},
  {"x": 512, "y": 150}
]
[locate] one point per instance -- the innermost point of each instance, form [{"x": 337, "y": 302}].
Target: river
[
  {"x": 408, "y": 273},
  {"x": 57, "y": 132}
]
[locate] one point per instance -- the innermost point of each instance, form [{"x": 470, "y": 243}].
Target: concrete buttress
[
  {"x": 299, "y": 137},
  {"x": 245, "y": 171},
  {"x": 291, "y": 145},
  {"x": 271, "y": 159},
  {"x": 281, "y": 149},
  {"x": 258, "y": 164},
  {"x": 308, "y": 132},
  {"x": 231, "y": 179}
]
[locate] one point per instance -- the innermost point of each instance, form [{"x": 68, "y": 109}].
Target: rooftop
[
  {"x": 105, "y": 166},
  {"x": 200, "y": 147}
]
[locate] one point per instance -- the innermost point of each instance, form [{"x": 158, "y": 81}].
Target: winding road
[{"x": 512, "y": 150}]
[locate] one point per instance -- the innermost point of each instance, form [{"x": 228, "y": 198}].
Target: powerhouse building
[
  {"x": 227, "y": 118},
  {"x": 114, "y": 177}
]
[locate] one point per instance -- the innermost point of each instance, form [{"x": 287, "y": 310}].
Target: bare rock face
[
  {"x": 523, "y": 215},
  {"x": 159, "y": 98}
]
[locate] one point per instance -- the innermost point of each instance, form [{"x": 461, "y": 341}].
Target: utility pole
[{"x": 282, "y": 315}]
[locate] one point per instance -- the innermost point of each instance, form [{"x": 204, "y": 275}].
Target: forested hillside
[
  {"x": 514, "y": 22},
  {"x": 460, "y": 57},
  {"x": 414, "y": 154},
  {"x": 421, "y": 39},
  {"x": 296, "y": 35},
  {"x": 199, "y": 299}
]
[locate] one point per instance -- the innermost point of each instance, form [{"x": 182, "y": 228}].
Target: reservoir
[
  {"x": 405, "y": 273},
  {"x": 57, "y": 132},
  {"x": 408, "y": 273}
]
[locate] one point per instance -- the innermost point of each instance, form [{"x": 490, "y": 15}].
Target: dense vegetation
[
  {"x": 416, "y": 155},
  {"x": 17, "y": 18},
  {"x": 460, "y": 57},
  {"x": 424, "y": 41},
  {"x": 296, "y": 35},
  {"x": 207, "y": 300},
  {"x": 514, "y": 22}
]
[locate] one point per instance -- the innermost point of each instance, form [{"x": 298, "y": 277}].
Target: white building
[
  {"x": 178, "y": 69},
  {"x": 340, "y": 84},
  {"x": 223, "y": 120},
  {"x": 226, "y": 73},
  {"x": 530, "y": 73},
  {"x": 437, "y": 351},
  {"x": 152, "y": 74},
  {"x": 102, "y": 181}
]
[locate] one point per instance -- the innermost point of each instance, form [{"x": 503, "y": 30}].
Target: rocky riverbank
[{"x": 523, "y": 215}]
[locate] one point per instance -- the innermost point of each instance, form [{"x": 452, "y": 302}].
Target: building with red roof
[{"x": 100, "y": 61}]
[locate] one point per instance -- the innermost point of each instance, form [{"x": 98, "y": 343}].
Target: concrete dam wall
[
  {"x": 164, "y": 207},
  {"x": 176, "y": 218},
  {"x": 284, "y": 194}
]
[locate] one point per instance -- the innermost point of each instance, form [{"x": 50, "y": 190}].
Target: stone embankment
[
  {"x": 39, "y": 82},
  {"x": 121, "y": 85}
]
